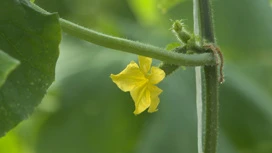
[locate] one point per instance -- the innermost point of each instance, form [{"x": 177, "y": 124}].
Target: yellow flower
[{"x": 140, "y": 82}]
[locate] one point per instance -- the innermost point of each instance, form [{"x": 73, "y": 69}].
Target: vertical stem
[
  {"x": 199, "y": 102},
  {"x": 211, "y": 76},
  {"x": 207, "y": 30},
  {"x": 211, "y": 130},
  {"x": 199, "y": 108}
]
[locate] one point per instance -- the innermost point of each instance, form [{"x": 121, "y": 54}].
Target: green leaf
[
  {"x": 165, "y": 5},
  {"x": 172, "y": 46},
  {"x": 11, "y": 144},
  {"x": 145, "y": 11},
  {"x": 32, "y": 38},
  {"x": 246, "y": 105},
  {"x": 7, "y": 65}
]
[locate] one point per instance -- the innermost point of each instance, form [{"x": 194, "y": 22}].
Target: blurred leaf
[
  {"x": 145, "y": 11},
  {"x": 33, "y": 39},
  {"x": 10, "y": 144},
  {"x": 246, "y": 115},
  {"x": 225, "y": 145},
  {"x": 7, "y": 65},
  {"x": 165, "y": 5},
  {"x": 243, "y": 32}
]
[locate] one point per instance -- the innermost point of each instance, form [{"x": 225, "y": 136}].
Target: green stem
[
  {"x": 211, "y": 80},
  {"x": 133, "y": 46},
  {"x": 212, "y": 108},
  {"x": 170, "y": 68}
]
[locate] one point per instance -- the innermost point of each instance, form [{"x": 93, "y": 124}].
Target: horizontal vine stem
[{"x": 133, "y": 46}]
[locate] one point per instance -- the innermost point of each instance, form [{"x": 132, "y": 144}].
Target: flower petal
[
  {"x": 145, "y": 63},
  {"x": 154, "y": 94},
  {"x": 156, "y": 76},
  {"x": 141, "y": 97},
  {"x": 129, "y": 78},
  {"x": 154, "y": 104}
]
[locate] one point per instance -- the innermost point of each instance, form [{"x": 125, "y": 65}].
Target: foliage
[{"x": 31, "y": 38}]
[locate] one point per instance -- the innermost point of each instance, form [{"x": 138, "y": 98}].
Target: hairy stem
[
  {"x": 133, "y": 46},
  {"x": 211, "y": 76}
]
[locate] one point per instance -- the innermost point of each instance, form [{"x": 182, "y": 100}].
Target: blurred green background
[{"x": 84, "y": 112}]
